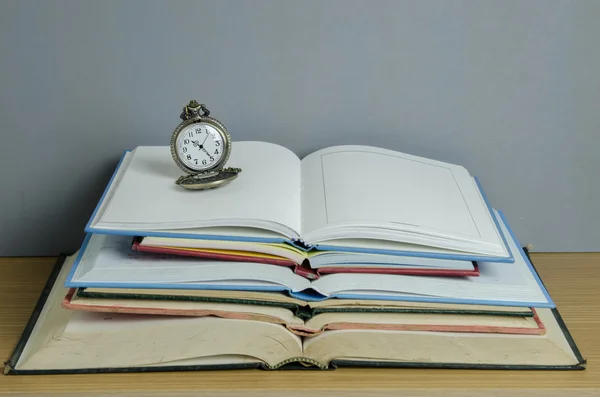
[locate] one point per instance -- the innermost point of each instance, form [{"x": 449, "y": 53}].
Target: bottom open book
[{"x": 83, "y": 340}]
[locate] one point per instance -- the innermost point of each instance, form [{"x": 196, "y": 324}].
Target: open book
[
  {"x": 106, "y": 261},
  {"x": 360, "y": 315},
  {"x": 82, "y": 298},
  {"x": 312, "y": 264},
  {"x": 58, "y": 340},
  {"x": 343, "y": 198}
]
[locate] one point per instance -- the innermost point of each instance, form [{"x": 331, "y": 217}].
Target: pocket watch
[{"x": 200, "y": 146}]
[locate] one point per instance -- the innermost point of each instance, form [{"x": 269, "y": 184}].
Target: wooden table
[{"x": 573, "y": 281}]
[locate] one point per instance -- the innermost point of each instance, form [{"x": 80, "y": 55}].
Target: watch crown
[{"x": 193, "y": 109}]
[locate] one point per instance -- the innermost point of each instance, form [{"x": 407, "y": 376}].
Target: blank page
[
  {"x": 366, "y": 186},
  {"x": 506, "y": 282},
  {"x": 147, "y": 197}
]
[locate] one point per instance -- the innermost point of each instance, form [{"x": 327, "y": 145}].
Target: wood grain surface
[{"x": 571, "y": 278}]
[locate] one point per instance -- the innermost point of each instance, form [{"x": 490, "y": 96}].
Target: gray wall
[{"x": 509, "y": 89}]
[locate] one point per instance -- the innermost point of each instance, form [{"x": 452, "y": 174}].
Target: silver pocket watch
[{"x": 200, "y": 146}]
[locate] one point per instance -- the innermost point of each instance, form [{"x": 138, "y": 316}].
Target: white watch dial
[{"x": 200, "y": 146}]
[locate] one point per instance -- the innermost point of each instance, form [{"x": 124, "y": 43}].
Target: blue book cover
[{"x": 490, "y": 273}]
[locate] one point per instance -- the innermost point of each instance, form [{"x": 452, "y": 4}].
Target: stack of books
[{"x": 351, "y": 256}]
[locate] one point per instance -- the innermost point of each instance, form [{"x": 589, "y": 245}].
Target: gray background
[{"x": 509, "y": 89}]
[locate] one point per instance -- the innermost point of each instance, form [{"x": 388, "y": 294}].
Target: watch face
[{"x": 200, "y": 146}]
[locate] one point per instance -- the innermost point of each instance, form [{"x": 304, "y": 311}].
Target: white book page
[
  {"x": 507, "y": 282},
  {"x": 359, "y": 186},
  {"x": 109, "y": 259},
  {"x": 265, "y": 194},
  {"x": 342, "y": 259}
]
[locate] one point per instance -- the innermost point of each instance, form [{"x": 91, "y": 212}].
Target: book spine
[
  {"x": 305, "y": 271},
  {"x": 299, "y": 243},
  {"x": 300, "y": 360}
]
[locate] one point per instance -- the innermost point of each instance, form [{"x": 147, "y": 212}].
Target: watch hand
[
  {"x": 195, "y": 143},
  {"x": 205, "y": 138},
  {"x": 206, "y": 151}
]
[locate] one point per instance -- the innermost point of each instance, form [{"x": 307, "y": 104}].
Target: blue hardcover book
[
  {"x": 343, "y": 198},
  {"x": 106, "y": 261}
]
